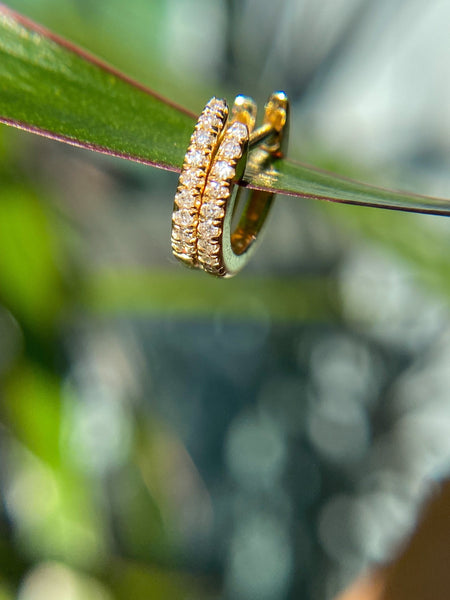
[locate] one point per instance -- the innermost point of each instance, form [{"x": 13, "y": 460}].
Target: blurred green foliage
[{"x": 30, "y": 277}]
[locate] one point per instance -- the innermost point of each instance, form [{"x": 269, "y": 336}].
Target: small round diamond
[
  {"x": 181, "y": 248},
  {"x": 209, "y": 261},
  {"x": 210, "y": 120},
  {"x": 186, "y": 199},
  {"x": 192, "y": 178},
  {"x": 211, "y": 269},
  {"x": 207, "y": 247},
  {"x": 216, "y": 104},
  {"x": 216, "y": 190},
  {"x": 238, "y": 131},
  {"x": 222, "y": 170},
  {"x": 230, "y": 149},
  {"x": 212, "y": 211},
  {"x": 203, "y": 137},
  {"x": 183, "y": 218},
  {"x": 208, "y": 230},
  {"x": 183, "y": 237},
  {"x": 196, "y": 158}
]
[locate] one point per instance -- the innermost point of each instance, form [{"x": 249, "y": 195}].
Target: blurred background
[{"x": 165, "y": 435}]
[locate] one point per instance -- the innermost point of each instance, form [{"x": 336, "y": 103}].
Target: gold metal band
[{"x": 207, "y": 197}]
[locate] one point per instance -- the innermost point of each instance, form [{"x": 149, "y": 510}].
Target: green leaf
[
  {"x": 296, "y": 179},
  {"x": 50, "y": 87}
]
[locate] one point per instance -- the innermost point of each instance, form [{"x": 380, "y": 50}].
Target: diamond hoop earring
[{"x": 207, "y": 196}]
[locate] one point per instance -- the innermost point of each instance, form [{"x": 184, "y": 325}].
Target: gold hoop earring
[{"x": 211, "y": 242}]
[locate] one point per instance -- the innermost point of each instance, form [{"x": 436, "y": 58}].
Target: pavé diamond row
[
  {"x": 196, "y": 166},
  {"x": 216, "y": 194}
]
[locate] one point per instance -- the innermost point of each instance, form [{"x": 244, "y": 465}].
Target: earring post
[{"x": 261, "y": 134}]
